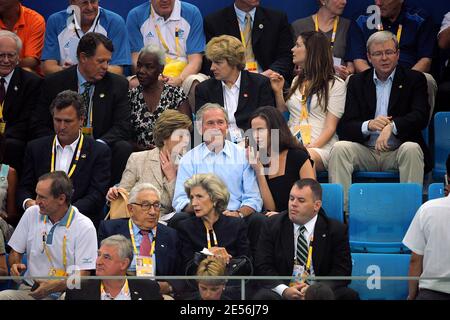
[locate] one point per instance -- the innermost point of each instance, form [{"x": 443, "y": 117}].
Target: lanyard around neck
[
  {"x": 160, "y": 37},
  {"x": 335, "y": 25},
  {"x": 77, "y": 156},
  {"x": 64, "y": 245},
  {"x": 208, "y": 236},
  {"x": 399, "y": 31},
  {"x": 304, "y": 108},
  {"x": 133, "y": 241},
  {"x": 93, "y": 30}
]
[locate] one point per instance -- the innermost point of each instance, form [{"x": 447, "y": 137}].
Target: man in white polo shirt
[
  {"x": 174, "y": 25},
  {"x": 57, "y": 239},
  {"x": 65, "y": 29}
]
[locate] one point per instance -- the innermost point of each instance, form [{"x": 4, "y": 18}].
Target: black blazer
[
  {"x": 408, "y": 106},
  {"x": 23, "y": 91},
  {"x": 272, "y": 37},
  {"x": 331, "y": 249},
  {"x": 142, "y": 289},
  {"x": 167, "y": 244},
  {"x": 111, "y": 113},
  {"x": 231, "y": 234},
  {"x": 255, "y": 91},
  {"x": 90, "y": 178}
]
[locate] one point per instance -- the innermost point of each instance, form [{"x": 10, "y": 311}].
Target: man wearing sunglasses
[{"x": 155, "y": 246}]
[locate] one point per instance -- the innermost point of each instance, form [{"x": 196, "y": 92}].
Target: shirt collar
[
  {"x": 94, "y": 23},
  {"x": 241, "y": 14},
  {"x": 81, "y": 79},
  {"x": 64, "y": 220},
  {"x": 237, "y": 84},
  {"x": 136, "y": 229},
  {"x": 8, "y": 77},
  {"x": 73, "y": 145},
  {"x": 174, "y": 16},
  {"x": 310, "y": 225},
  {"x": 204, "y": 151},
  {"x": 376, "y": 80}
]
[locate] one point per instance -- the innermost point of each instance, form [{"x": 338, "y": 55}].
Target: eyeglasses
[
  {"x": 147, "y": 205},
  {"x": 8, "y": 55},
  {"x": 388, "y": 53}
]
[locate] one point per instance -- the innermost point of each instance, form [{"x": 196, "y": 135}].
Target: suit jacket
[
  {"x": 166, "y": 249},
  {"x": 255, "y": 91},
  {"x": 408, "y": 106},
  {"x": 331, "y": 249},
  {"x": 90, "y": 179},
  {"x": 23, "y": 90},
  {"x": 142, "y": 289},
  {"x": 145, "y": 166},
  {"x": 111, "y": 110},
  {"x": 272, "y": 37}
]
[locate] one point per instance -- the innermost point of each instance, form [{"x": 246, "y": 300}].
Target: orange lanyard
[
  {"x": 399, "y": 31},
  {"x": 208, "y": 237},
  {"x": 335, "y": 25},
  {"x": 160, "y": 37},
  {"x": 77, "y": 156},
  {"x": 133, "y": 241}
]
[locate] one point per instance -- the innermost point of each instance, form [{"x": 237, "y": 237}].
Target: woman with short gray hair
[{"x": 152, "y": 97}]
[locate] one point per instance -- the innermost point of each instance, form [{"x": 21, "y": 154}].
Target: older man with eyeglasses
[
  {"x": 385, "y": 111},
  {"x": 155, "y": 246}
]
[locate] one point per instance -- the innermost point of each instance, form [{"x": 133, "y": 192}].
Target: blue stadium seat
[
  {"x": 435, "y": 190},
  {"x": 10, "y": 284},
  {"x": 441, "y": 143},
  {"x": 333, "y": 200},
  {"x": 380, "y": 214},
  {"x": 373, "y": 265}
]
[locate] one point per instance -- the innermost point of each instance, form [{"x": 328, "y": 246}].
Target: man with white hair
[
  {"x": 155, "y": 246},
  {"x": 385, "y": 111},
  {"x": 113, "y": 258}
]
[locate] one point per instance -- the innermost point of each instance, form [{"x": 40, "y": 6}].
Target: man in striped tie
[{"x": 303, "y": 242}]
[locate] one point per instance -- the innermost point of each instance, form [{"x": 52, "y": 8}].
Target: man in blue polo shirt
[
  {"x": 175, "y": 26},
  {"x": 65, "y": 29},
  {"x": 414, "y": 30}
]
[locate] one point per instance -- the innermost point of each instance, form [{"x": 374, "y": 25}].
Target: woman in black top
[{"x": 278, "y": 158}]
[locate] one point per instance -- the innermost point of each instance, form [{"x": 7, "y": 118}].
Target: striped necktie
[
  {"x": 249, "y": 55},
  {"x": 301, "y": 251}
]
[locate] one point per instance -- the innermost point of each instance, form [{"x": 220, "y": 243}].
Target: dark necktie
[
  {"x": 146, "y": 245},
  {"x": 87, "y": 98},
  {"x": 2, "y": 90},
  {"x": 302, "y": 247}
]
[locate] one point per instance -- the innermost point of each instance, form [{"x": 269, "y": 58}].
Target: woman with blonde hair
[
  {"x": 316, "y": 100},
  {"x": 158, "y": 166},
  {"x": 211, "y": 289}
]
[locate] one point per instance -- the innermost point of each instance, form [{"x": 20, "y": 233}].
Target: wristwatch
[{"x": 240, "y": 214}]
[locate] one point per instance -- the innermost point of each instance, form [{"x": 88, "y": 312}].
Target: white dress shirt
[{"x": 230, "y": 103}]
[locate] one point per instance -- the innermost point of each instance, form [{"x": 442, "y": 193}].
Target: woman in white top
[{"x": 316, "y": 100}]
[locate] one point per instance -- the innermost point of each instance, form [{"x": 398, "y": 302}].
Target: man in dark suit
[
  {"x": 321, "y": 247},
  {"x": 238, "y": 90},
  {"x": 385, "y": 110},
  {"x": 86, "y": 161},
  {"x": 18, "y": 91},
  {"x": 114, "y": 257},
  {"x": 144, "y": 207},
  {"x": 271, "y": 35},
  {"x": 104, "y": 94}
]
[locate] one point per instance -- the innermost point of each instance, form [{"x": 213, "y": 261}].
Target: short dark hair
[
  {"x": 319, "y": 291},
  {"x": 315, "y": 186},
  {"x": 61, "y": 184},
  {"x": 66, "y": 99},
  {"x": 90, "y": 41}
]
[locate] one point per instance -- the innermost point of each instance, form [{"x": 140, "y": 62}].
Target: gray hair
[
  {"x": 206, "y": 107},
  {"x": 381, "y": 37},
  {"x": 156, "y": 50},
  {"x": 13, "y": 36},
  {"x": 141, "y": 187},
  {"x": 123, "y": 245},
  {"x": 213, "y": 185}
]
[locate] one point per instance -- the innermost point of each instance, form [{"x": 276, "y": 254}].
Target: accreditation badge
[
  {"x": 57, "y": 272},
  {"x": 2, "y": 127},
  {"x": 296, "y": 274},
  {"x": 305, "y": 131},
  {"x": 251, "y": 66},
  {"x": 144, "y": 266}
]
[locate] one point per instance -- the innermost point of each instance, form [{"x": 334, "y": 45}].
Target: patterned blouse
[{"x": 142, "y": 119}]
